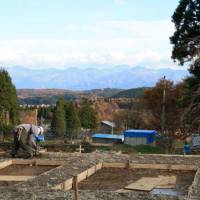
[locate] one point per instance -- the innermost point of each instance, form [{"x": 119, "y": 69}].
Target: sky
[{"x": 80, "y": 33}]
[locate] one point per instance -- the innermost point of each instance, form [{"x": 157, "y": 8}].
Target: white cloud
[{"x": 108, "y": 42}]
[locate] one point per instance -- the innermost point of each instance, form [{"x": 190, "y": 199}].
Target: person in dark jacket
[{"x": 25, "y": 140}]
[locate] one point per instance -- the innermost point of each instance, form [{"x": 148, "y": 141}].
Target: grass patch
[
  {"x": 125, "y": 148},
  {"x": 149, "y": 149}
]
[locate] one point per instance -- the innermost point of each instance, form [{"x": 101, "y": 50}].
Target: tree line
[
  {"x": 182, "y": 105},
  {"x": 182, "y": 102},
  {"x": 9, "y": 105},
  {"x": 68, "y": 118}
]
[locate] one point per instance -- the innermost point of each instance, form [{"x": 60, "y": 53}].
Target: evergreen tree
[
  {"x": 186, "y": 48},
  {"x": 58, "y": 124},
  {"x": 45, "y": 115},
  {"x": 186, "y": 38},
  {"x": 9, "y": 105},
  {"x": 87, "y": 115},
  {"x": 72, "y": 121}
]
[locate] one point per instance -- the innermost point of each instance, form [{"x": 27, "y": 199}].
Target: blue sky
[{"x": 65, "y": 33}]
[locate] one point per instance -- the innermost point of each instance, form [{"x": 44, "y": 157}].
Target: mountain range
[{"x": 123, "y": 77}]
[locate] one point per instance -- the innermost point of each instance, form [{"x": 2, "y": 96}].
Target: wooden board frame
[
  {"x": 68, "y": 184},
  {"x": 151, "y": 166},
  {"x": 12, "y": 178},
  {"x": 5, "y": 163},
  {"x": 38, "y": 162}
]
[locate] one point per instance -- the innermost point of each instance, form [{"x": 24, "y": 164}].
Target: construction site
[{"x": 99, "y": 175}]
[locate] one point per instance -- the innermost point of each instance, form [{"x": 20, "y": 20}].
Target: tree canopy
[
  {"x": 186, "y": 38},
  {"x": 9, "y": 105},
  {"x": 153, "y": 101},
  {"x": 87, "y": 115},
  {"x": 58, "y": 124},
  {"x": 72, "y": 121},
  {"x": 186, "y": 49}
]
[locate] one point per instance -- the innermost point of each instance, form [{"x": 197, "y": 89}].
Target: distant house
[
  {"x": 107, "y": 138},
  {"x": 137, "y": 137},
  {"x": 106, "y": 127}
]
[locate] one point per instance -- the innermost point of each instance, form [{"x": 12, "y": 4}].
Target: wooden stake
[
  {"x": 80, "y": 149},
  {"x": 127, "y": 164},
  {"x": 75, "y": 187}
]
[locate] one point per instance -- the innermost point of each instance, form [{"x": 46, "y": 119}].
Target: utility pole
[
  {"x": 112, "y": 129},
  {"x": 163, "y": 107}
]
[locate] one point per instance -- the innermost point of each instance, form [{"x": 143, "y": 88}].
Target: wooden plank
[
  {"x": 67, "y": 185},
  {"x": 167, "y": 182},
  {"x": 114, "y": 165},
  {"x": 3, "y": 153},
  {"x": 15, "y": 178},
  {"x": 171, "y": 155},
  {"x": 149, "y": 166},
  {"x": 137, "y": 166},
  {"x": 49, "y": 162},
  {"x": 122, "y": 191},
  {"x": 184, "y": 167},
  {"x": 42, "y": 150},
  {"x": 82, "y": 176},
  {"x": 99, "y": 166},
  {"x": 37, "y": 162},
  {"x": 5, "y": 163},
  {"x": 91, "y": 171},
  {"x": 144, "y": 184},
  {"x": 165, "y": 186}
]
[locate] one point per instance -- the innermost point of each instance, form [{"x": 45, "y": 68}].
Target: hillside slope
[{"x": 131, "y": 93}]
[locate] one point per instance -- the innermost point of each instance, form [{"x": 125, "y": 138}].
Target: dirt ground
[
  {"x": 113, "y": 179},
  {"x": 22, "y": 170},
  {"x": 25, "y": 170}
]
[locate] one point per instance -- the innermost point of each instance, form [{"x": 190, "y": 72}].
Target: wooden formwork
[
  {"x": 68, "y": 184},
  {"x": 35, "y": 162},
  {"x": 5, "y": 163},
  {"x": 151, "y": 166}
]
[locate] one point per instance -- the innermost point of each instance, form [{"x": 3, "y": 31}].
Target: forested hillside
[{"x": 131, "y": 93}]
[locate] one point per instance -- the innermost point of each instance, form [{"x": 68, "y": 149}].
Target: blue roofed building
[
  {"x": 107, "y": 138},
  {"x": 138, "y": 137}
]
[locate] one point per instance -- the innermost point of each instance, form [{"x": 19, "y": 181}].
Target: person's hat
[{"x": 41, "y": 130}]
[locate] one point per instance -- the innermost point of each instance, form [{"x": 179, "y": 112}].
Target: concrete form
[{"x": 57, "y": 182}]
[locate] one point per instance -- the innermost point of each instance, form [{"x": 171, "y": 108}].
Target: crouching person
[{"x": 26, "y": 137}]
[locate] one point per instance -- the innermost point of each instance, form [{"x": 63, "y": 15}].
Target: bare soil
[
  {"x": 23, "y": 170},
  {"x": 113, "y": 179}
]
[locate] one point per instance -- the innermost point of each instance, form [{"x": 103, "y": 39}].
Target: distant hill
[
  {"x": 131, "y": 93},
  {"x": 50, "y": 96},
  {"x": 106, "y": 92}
]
